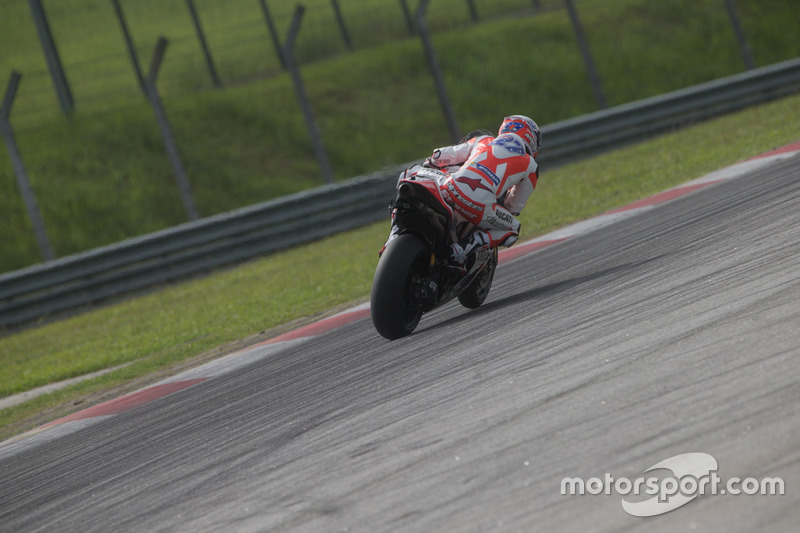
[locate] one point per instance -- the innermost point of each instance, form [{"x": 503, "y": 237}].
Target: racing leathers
[{"x": 491, "y": 179}]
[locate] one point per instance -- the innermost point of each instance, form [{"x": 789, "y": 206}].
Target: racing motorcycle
[{"x": 414, "y": 274}]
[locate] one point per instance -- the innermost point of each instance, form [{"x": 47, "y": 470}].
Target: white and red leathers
[{"x": 482, "y": 171}]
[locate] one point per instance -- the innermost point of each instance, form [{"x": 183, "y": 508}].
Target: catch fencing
[
  {"x": 214, "y": 44},
  {"x": 193, "y": 248}
]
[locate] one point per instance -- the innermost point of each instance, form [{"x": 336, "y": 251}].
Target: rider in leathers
[{"x": 491, "y": 179}]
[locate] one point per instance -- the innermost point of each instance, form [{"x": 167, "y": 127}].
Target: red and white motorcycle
[{"x": 413, "y": 274}]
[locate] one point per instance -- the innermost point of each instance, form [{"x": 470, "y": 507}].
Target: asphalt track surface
[{"x": 674, "y": 331}]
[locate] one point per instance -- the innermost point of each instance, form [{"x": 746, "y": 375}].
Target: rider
[{"x": 490, "y": 181}]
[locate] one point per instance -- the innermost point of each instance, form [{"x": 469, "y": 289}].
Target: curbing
[{"x": 241, "y": 358}]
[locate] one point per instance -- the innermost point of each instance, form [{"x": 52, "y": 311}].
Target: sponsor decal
[
  {"x": 463, "y": 199},
  {"x": 503, "y": 216},
  {"x": 473, "y": 183},
  {"x": 531, "y": 138},
  {"x": 491, "y": 219},
  {"x": 489, "y": 174},
  {"x": 500, "y": 220}
]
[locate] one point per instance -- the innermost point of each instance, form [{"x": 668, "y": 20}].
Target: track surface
[{"x": 675, "y": 331}]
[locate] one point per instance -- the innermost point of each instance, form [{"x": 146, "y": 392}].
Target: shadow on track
[{"x": 551, "y": 289}]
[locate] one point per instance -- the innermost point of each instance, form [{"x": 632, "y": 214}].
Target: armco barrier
[
  {"x": 32, "y": 293},
  {"x": 192, "y": 248},
  {"x": 603, "y": 130}
]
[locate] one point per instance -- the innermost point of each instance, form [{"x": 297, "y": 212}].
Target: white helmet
[{"x": 524, "y": 128}]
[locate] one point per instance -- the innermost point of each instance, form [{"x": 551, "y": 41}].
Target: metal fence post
[
  {"x": 19, "y": 169},
  {"x": 51, "y": 56},
  {"x": 203, "y": 44},
  {"x": 407, "y": 16},
  {"x": 272, "y": 32},
  {"x": 129, "y": 44},
  {"x": 302, "y": 96},
  {"x": 583, "y": 44},
  {"x": 342, "y": 26},
  {"x": 433, "y": 62},
  {"x": 744, "y": 46},
  {"x": 166, "y": 131},
  {"x": 473, "y": 13}
]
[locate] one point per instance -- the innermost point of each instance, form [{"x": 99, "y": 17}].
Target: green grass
[
  {"x": 97, "y": 62},
  {"x": 102, "y": 175},
  {"x": 158, "y": 331}
]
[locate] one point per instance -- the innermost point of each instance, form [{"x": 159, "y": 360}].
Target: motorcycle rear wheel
[{"x": 395, "y": 301}]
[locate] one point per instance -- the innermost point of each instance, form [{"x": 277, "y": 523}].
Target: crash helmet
[{"x": 524, "y": 128}]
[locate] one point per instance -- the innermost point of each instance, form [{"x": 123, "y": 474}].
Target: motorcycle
[{"x": 414, "y": 275}]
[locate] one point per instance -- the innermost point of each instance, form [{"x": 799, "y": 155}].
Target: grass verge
[
  {"x": 102, "y": 175},
  {"x": 187, "y": 323}
]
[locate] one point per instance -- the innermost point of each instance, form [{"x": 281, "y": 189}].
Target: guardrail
[
  {"x": 603, "y": 130},
  {"x": 190, "y": 249},
  {"x": 36, "y": 292}
]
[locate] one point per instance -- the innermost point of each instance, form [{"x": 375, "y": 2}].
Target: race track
[{"x": 675, "y": 331}]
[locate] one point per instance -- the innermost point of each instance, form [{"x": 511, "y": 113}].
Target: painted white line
[
  {"x": 22, "y": 397},
  {"x": 738, "y": 170}
]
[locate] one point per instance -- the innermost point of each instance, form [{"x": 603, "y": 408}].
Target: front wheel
[
  {"x": 475, "y": 294},
  {"x": 396, "y": 304}
]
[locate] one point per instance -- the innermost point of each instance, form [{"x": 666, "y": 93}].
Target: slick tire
[
  {"x": 394, "y": 307},
  {"x": 473, "y": 296}
]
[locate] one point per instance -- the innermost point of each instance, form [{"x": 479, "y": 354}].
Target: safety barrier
[
  {"x": 190, "y": 249},
  {"x": 603, "y": 130},
  {"x": 177, "y": 253}
]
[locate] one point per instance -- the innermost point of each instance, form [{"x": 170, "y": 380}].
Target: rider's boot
[{"x": 465, "y": 249}]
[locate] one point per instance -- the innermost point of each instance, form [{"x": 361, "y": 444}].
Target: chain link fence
[
  {"x": 634, "y": 51},
  {"x": 90, "y": 42},
  {"x": 576, "y": 52},
  {"x": 239, "y": 48}
]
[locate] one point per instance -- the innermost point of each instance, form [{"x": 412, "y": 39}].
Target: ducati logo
[{"x": 473, "y": 183}]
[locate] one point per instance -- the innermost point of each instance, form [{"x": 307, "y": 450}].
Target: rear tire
[
  {"x": 473, "y": 296},
  {"x": 394, "y": 304}
]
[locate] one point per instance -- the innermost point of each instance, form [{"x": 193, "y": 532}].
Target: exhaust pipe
[{"x": 406, "y": 190}]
